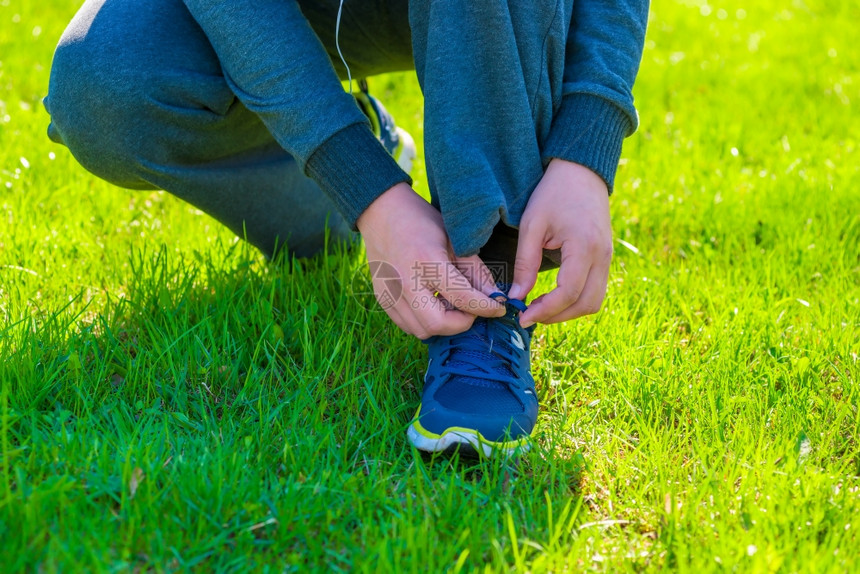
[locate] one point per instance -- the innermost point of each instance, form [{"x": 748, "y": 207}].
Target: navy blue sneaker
[
  {"x": 396, "y": 140},
  {"x": 479, "y": 394}
]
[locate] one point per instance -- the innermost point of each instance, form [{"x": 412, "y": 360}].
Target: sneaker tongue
[{"x": 466, "y": 358}]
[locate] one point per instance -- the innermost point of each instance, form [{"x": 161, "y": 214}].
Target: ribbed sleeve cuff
[
  {"x": 354, "y": 169},
  {"x": 588, "y": 130}
]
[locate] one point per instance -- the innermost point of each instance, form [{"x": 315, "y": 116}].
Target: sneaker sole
[
  {"x": 455, "y": 438},
  {"x": 405, "y": 153}
]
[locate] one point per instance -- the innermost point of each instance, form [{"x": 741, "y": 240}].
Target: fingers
[
  {"x": 439, "y": 299},
  {"x": 529, "y": 255},
  {"x": 441, "y": 319},
  {"x": 477, "y": 273},
  {"x": 444, "y": 305},
  {"x": 427, "y": 315},
  {"x": 571, "y": 281},
  {"x": 460, "y": 293},
  {"x": 590, "y": 300}
]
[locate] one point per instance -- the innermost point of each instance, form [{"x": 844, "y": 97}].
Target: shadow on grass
[{"x": 258, "y": 393}]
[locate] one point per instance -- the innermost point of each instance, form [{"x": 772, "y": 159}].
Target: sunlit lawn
[{"x": 170, "y": 400}]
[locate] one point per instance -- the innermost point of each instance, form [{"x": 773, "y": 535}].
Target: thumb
[{"x": 529, "y": 255}]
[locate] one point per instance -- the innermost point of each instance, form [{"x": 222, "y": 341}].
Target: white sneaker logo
[{"x": 517, "y": 340}]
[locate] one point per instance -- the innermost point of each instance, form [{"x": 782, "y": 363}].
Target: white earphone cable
[{"x": 337, "y": 45}]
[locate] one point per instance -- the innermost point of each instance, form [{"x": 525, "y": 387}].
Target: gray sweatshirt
[{"x": 543, "y": 83}]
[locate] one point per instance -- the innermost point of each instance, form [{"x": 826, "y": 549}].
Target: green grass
[{"x": 171, "y": 401}]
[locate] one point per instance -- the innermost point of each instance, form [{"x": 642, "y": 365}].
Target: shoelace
[{"x": 486, "y": 351}]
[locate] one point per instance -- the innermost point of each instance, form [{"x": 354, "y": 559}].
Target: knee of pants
[
  {"x": 97, "y": 119},
  {"x": 130, "y": 126},
  {"x": 126, "y": 109}
]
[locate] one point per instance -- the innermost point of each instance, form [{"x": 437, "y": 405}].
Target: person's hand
[
  {"x": 438, "y": 294},
  {"x": 569, "y": 210}
]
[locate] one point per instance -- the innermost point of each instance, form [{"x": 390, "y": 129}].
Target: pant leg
[
  {"x": 138, "y": 96},
  {"x": 491, "y": 72}
]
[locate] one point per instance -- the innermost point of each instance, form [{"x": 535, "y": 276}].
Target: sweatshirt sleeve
[
  {"x": 279, "y": 69},
  {"x": 602, "y": 56}
]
